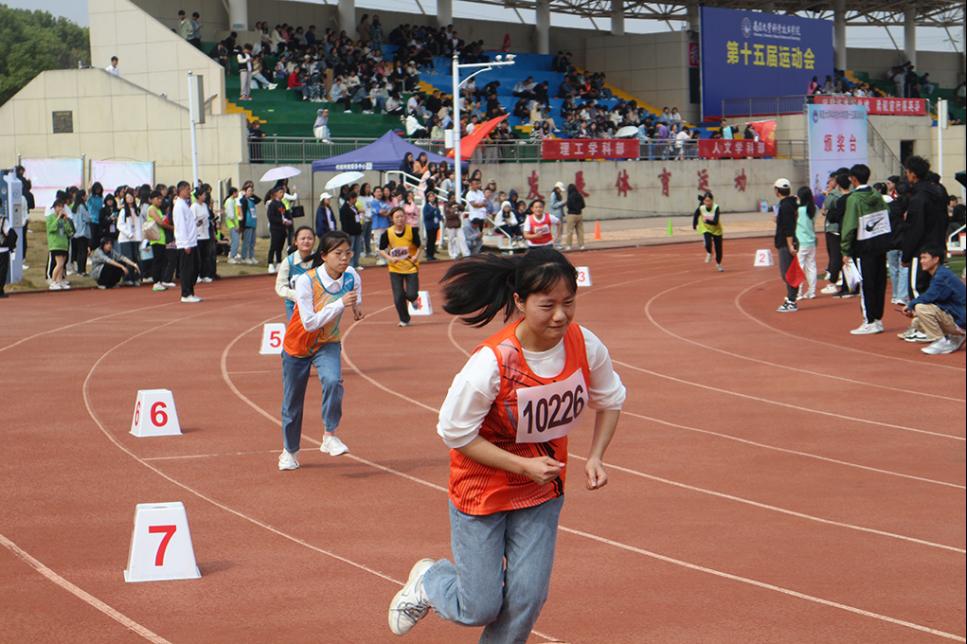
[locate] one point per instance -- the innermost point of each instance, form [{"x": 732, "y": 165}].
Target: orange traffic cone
[{"x": 597, "y": 231}]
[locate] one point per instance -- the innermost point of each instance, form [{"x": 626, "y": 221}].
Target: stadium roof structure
[{"x": 869, "y": 13}]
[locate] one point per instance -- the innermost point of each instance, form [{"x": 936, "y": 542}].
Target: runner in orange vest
[{"x": 506, "y": 420}]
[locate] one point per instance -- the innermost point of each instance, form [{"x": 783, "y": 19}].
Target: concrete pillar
[
  {"x": 444, "y": 13},
  {"x": 238, "y": 15},
  {"x": 617, "y": 18},
  {"x": 910, "y": 33},
  {"x": 347, "y": 17},
  {"x": 542, "y": 34},
  {"x": 694, "y": 17},
  {"x": 839, "y": 33}
]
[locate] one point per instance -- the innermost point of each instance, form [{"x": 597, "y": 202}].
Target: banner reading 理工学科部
[
  {"x": 748, "y": 54},
  {"x": 837, "y": 138}
]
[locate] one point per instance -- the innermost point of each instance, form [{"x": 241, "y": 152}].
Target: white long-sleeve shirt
[
  {"x": 186, "y": 230},
  {"x": 201, "y": 214},
  {"x": 312, "y": 319},
  {"x": 130, "y": 227},
  {"x": 475, "y": 388},
  {"x": 283, "y": 286}
]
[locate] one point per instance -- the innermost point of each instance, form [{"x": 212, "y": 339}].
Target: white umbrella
[
  {"x": 627, "y": 132},
  {"x": 282, "y": 172},
  {"x": 343, "y": 179}
]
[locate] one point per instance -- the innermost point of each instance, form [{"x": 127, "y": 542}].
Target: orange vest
[
  {"x": 481, "y": 490},
  {"x": 300, "y": 343}
]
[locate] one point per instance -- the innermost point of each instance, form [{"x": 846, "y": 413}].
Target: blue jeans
[
  {"x": 476, "y": 590},
  {"x": 295, "y": 377},
  {"x": 899, "y": 275},
  {"x": 357, "y": 248},
  {"x": 233, "y": 247},
  {"x": 248, "y": 243}
]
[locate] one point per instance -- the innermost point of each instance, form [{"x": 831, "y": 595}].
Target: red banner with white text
[
  {"x": 735, "y": 149},
  {"x": 878, "y": 105},
  {"x": 576, "y": 149}
]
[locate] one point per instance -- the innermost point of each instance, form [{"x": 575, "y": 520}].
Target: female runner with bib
[
  {"x": 294, "y": 266},
  {"x": 506, "y": 420},
  {"x": 400, "y": 246},
  {"x": 539, "y": 226},
  {"x": 312, "y": 339}
]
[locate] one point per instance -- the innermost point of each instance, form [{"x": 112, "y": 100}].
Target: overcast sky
[{"x": 928, "y": 39}]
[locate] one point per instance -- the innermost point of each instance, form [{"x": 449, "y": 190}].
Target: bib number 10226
[{"x": 550, "y": 411}]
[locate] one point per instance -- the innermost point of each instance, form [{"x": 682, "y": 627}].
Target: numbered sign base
[
  {"x": 161, "y": 547},
  {"x": 584, "y": 275},
  {"x": 422, "y": 306},
  {"x": 273, "y": 336},
  {"x": 763, "y": 257},
  {"x": 155, "y": 414}
]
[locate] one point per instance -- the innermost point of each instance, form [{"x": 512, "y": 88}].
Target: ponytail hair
[
  {"x": 805, "y": 195},
  {"x": 479, "y": 287}
]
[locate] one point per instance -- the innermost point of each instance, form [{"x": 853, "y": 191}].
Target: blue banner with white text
[{"x": 748, "y": 54}]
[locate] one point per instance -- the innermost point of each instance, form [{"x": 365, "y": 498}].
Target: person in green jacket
[
  {"x": 60, "y": 230},
  {"x": 866, "y": 235}
]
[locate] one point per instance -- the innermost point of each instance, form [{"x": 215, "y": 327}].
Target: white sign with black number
[{"x": 550, "y": 411}]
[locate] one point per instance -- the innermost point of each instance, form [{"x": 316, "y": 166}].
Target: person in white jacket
[
  {"x": 130, "y": 234},
  {"x": 186, "y": 240}
]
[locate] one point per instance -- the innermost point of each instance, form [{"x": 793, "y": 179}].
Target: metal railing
[
  {"x": 291, "y": 149},
  {"x": 880, "y": 149}
]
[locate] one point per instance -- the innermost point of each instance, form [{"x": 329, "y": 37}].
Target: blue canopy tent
[{"x": 383, "y": 154}]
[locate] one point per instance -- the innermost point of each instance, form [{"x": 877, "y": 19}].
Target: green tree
[{"x": 35, "y": 41}]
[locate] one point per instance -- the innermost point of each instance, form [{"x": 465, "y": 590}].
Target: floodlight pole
[{"x": 457, "y": 84}]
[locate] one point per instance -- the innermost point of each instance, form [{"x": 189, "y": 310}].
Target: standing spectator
[
  {"x": 861, "y": 237},
  {"x": 8, "y": 244},
  {"x": 785, "y": 240},
  {"x": 453, "y": 224},
  {"x": 112, "y": 69},
  {"x": 832, "y": 217},
  {"x": 186, "y": 239},
  {"x": 350, "y": 221},
  {"x": 184, "y": 25},
  {"x": 939, "y": 311},
  {"x": 320, "y": 129},
  {"x": 897, "y": 197},
  {"x": 130, "y": 234},
  {"x": 82, "y": 232},
  {"x": 431, "y": 224},
  {"x": 806, "y": 240},
  {"x": 249, "y": 222},
  {"x": 60, "y": 229},
  {"x": 278, "y": 225},
  {"x": 94, "y": 204},
  {"x": 401, "y": 248},
  {"x": 159, "y": 252},
  {"x": 926, "y": 220},
  {"x": 411, "y": 210},
  {"x": 325, "y": 218},
  {"x": 557, "y": 204},
  {"x": 245, "y": 68},
  {"x": 108, "y": 266},
  {"x": 477, "y": 202},
  {"x": 194, "y": 36},
  {"x": 206, "y": 245},
  {"x": 707, "y": 220},
  {"x": 575, "y": 217},
  {"x": 233, "y": 211}
]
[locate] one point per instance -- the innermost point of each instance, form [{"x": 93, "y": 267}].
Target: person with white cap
[
  {"x": 785, "y": 239},
  {"x": 556, "y": 204},
  {"x": 325, "y": 217}
]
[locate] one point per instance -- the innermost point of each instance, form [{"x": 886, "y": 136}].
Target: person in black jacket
[
  {"x": 926, "y": 221},
  {"x": 785, "y": 240},
  {"x": 574, "y": 217},
  {"x": 278, "y": 225},
  {"x": 349, "y": 221}
]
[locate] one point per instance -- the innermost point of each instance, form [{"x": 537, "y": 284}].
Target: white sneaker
[
  {"x": 830, "y": 289},
  {"x": 942, "y": 346},
  {"x": 271, "y": 268},
  {"x": 191, "y": 299},
  {"x": 158, "y": 287},
  {"x": 411, "y": 604},
  {"x": 148, "y": 280},
  {"x": 24, "y": 267},
  {"x": 168, "y": 284},
  {"x": 917, "y": 336},
  {"x": 403, "y": 325},
  {"x": 332, "y": 445},
  {"x": 232, "y": 260},
  {"x": 55, "y": 286},
  {"x": 65, "y": 285},
  {"x": 719, "y": 268},
  {"x": 251, "y": 261},
  {"x": 207, "y": 280},
  {"x": 868, "y": 328},
  {"x": 708, "y": 257},
  {"x": 288, "y": 461}
]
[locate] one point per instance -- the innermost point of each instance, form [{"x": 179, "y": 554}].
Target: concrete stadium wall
[
  {"x": 954, "y": 156},
  {"x": 650, "y": 67},
  {"x": 151, "y": 55},
  {"x": 214, "y": 16},
  {"x": 945, "y": 68},
  {"x": 115, "y": 119}
]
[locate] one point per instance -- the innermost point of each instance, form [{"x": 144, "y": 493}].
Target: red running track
[{"x": 774, "y": 479}]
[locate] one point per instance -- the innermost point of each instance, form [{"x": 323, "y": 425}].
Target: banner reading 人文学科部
[{"x": 751, "y": 54}]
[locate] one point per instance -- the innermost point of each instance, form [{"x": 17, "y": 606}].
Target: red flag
[
  {"x": 470, "y": 142},
  {"x": 794, "y": 274},
  {"x": 765, "y": 129}
]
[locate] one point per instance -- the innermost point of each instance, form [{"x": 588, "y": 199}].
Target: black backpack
[{"x": 8, "y": 240}]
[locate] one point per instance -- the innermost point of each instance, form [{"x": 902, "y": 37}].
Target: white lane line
[
  {"x": 81, "y": 594},
  {"x": 752, "y": 443},
  {"x": 655, "y": 555},
  {"x": 777, "y": 403},
  {"x": 863, "y": 383},
  {"x": 839, "y": 347},
  {"x": 188, "y": 457}
]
